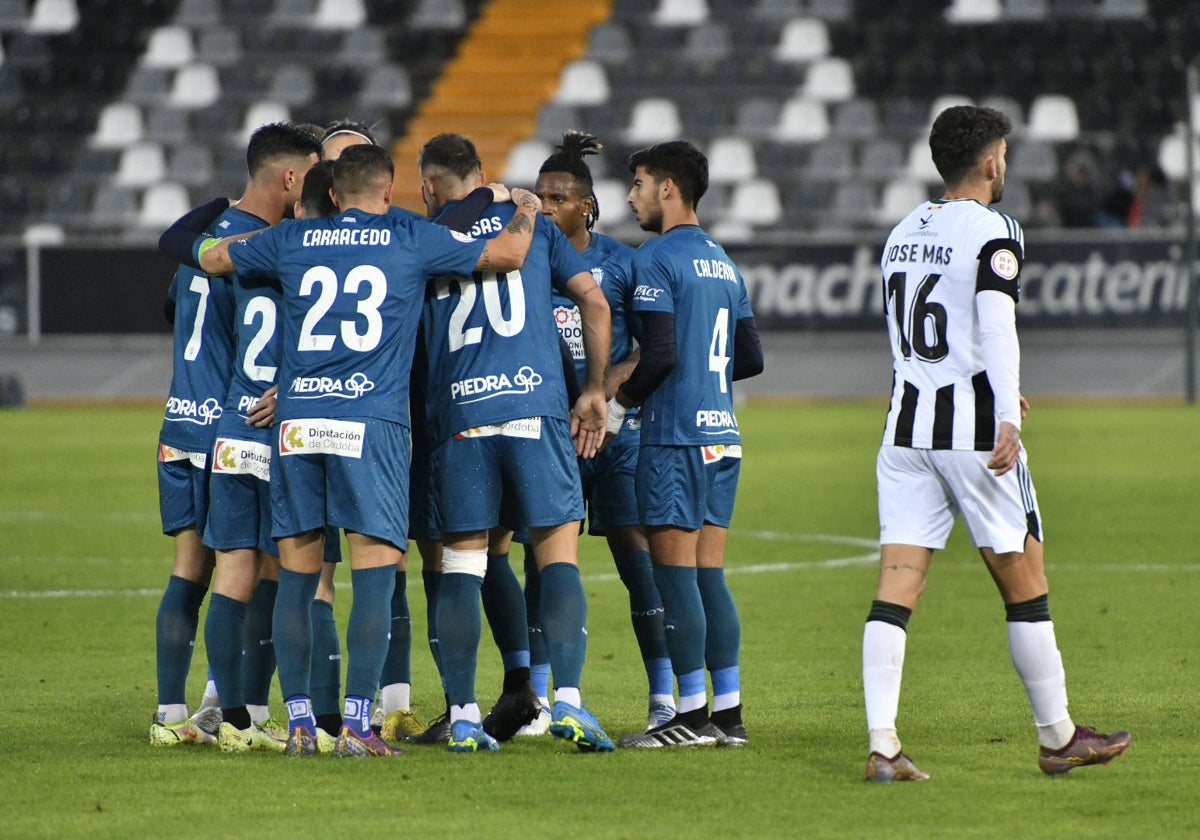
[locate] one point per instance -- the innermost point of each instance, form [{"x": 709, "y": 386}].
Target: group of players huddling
[{"x": 488, "y": 374}]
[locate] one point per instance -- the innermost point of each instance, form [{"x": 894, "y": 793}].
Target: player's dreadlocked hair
[{"x": 574, "y": 147}]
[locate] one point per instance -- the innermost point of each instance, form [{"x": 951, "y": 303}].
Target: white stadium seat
[
  {"x": 120, "y": 125},
  {"x": 169, "y": 46}
]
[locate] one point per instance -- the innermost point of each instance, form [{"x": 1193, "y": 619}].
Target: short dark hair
[
  {"x": 959, "y": 137},
  {"x": 452, "y": 152},
  {"x": 360, "y": 168},
  {"x": 276, "y": 140},
  {"x": 678, "y": 160},
  {"x": 315, "y": 196}
]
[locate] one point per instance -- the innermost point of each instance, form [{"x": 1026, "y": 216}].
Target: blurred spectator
[
  {"x": 1078, "y": 196},
  {"x": 1141, "y": 199}
]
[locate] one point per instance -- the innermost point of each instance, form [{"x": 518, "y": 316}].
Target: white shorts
[{"x": 922, "y": 490}]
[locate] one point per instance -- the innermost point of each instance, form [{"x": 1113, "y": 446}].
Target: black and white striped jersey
[{"x": 935, "y": 263}]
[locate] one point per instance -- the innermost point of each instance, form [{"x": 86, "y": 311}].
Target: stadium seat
[
  {"x": 776, "y": 11},
  {"x": 941, "y": 103},
  {"x": 680, "y": 12},
  {"x": 219, "y": 46},
  {"x": 386, "y": 86},
  {"x": 339, "y": 14},
  {"x": 52, "y": 17},
  {"x": 148, "y": 85},
  {"x": 162, "y": 204},
  {"x": 920, "y": 162},
  {"x": 803, "y": 40},
  {"x": 853, "y": 205},
  {"x": 973, "y": 11},
  {"x": 1124, "y": 9},
  {"x": 169, "y": 46},
  {"x": 904, "y": 118},
  {"x": 113, "y": 206},
  {"x": 120, "y": 125},
  {"x": 555, "y": 119},
  {"x": 755, "y": 202},
  {"x": 361, "y": 47},
  {"x": 830, "y": 160},
  {"x": 195, "y": 86},
  {"x": 524, "y": 161},
  {"x": 1011, "y": 109},
  {"x": 583, "y": 82},
  {"x": 898, "y": 200},
  {"x": 609, "y": 43},
  {"x": 832, "y": 11},
  {"x": 292, "y": 84},
  {"x": 141, "y": 165},
  {"x": 610, "y": 195},
  {"x": 856, "y": 119},
  {"x": 198, "y": 14},
  {"x": 288, "y": 14},
  {"x": 829, "y": 80},
  {"x": 439, "y": 14},
  {"x": 802, "y": 120},
  {"x": 708, "y": 44},
  {"x": 756, "y": 117},
  {"x": 881, "y": 160},
  {"x": 1025, "y": 10},
  {"x": 1033, "y": 160},
  {"x": 1053, "y": 117},
  {"x": 261, "y": 113},
  {"x": 730, "y": 231},
  {"x": 1172, "y": 154},
  {"x": 653, "y": 120},
  {"x": 191, "y": 164},
  {"x": 14, "y": 15},
  {"x": 731, "y": 159}
]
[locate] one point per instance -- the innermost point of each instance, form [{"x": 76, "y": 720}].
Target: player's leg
[
  {"x": 258, "y": 656},
  {"x": 504, "y": 607},
  {"x": 723, "y": 636},
  {"x": 460, "y": 625},
  {"x": 438, "y": 730},
  {"x": 539, "y": 656},
  {"x": 325, "y": 670},
  {"x": 233, "y": 585},
  {"x": 393, "y": 717},
  {"x": 300, "y": 559}
]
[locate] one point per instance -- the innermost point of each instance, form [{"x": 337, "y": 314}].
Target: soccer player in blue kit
[
  {"x": 352, "y": 289},
  {"x": 698, "y": 337},
  {"x": 205, "y": 312},
  {"x": 564, "y": 185},
  {"x": 502, "y": 432}
]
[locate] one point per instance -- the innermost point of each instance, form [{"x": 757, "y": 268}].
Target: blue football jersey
[
  {"x": 352, "y": 286},
  {"x": 205, "y": 342},
  {"x": 609, "y": 262},
  {"x": 687, "y": 274},
  {"x": 491, "y": 340}
]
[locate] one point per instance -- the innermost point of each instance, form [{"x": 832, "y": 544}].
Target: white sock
[
  {"x": 668, "y": 699},
  {"x": 570, "y": 696},
  {"x": 692, "y": 701},
  {"x": 172, "y": 713},
  {"x": 726, "y": 701},
  {"x": 258, "y": 714},
  {"x": 1035, "y": 654},
  {"x": 395, "y": 697},
  {"x": 468, "y": 712},
  {"x": 883, "y": 667},
  {"x": 210, "y": 697}
]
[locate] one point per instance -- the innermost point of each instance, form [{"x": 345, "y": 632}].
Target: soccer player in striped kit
[{"x": 952, "y": 441}]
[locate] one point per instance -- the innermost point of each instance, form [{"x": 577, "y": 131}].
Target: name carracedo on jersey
[
  {"x": 495, "y": 385},
  {"x": 181, "y": 410},
  {"x": 318, "y": 387},
  {"x": 346, "y": 236}
]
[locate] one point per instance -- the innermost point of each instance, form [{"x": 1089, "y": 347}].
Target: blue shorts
[
  {"x": 526, "y": 475},
  {"x": 687, "y": 486},
  {"x": 350, "y": 474},
  {"x": 423, "y": 520},
  {"x": 182, "y": 489},
  {"x": 609, "y": 481},
  {"x": 239, "y": 492}
]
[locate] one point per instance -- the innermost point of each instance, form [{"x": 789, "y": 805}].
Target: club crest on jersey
[
  {"x": 242, "y": 457},
  {"x": 598, "y": 275},
  {"x": 322, "y": 437},
  {"x": 318, "y": 387},
  {"x": 480, "y": 388},
  {"x": 181, "y": 410}
]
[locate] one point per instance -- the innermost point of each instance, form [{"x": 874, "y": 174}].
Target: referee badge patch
[{"x": 1005, "y": 264}]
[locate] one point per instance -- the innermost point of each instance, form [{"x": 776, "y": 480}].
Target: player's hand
[
  {"x": 262, "y": 413},
  {"x": 526, "y": 199},
  {"x": 500, "y": 193},
  {"x": 1024, "y": 406},
  {"x": 1008, "y": 447},
  {"x": 587, "y": 423}
]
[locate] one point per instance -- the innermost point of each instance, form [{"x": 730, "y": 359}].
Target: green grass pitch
[{"x": 82, "y": 563}]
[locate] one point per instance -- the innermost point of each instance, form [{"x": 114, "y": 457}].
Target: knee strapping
[{"x": 471, "y": 562}]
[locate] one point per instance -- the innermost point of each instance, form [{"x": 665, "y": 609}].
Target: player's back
[
  {"x": 204, "y": 345},
  {"x": 941, "y": 396},
  {"x": 694, "y": 404},
  {"x": 491, "y": 338}
]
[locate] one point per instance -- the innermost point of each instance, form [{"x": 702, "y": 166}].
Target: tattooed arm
[{"x": 507, "y": 251}]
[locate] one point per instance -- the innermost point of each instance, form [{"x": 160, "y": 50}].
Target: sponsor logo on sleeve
[
  {"x": 322, "y": 437},
  {"x": 168, "y": 454},
  {"x": 242, "y": 457},
  {"x": 527, "y": 427},
  {"x": 462, "y": 237},
  {"x": 716, "y": 452},
  {"x": 647, "y": 293}
]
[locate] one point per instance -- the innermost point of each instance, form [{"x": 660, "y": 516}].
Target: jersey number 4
[{"x": 921, "y": 325}]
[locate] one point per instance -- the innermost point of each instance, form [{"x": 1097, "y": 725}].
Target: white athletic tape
[{"x": 473, "y": 562}]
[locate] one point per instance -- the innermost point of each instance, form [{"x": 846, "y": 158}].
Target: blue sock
[
  {"x": 367, "y": 631},
  {"x": 258, "y": 651},
  {"x": 539, "y": 656},
  {"x": 357, "y": 714},
  {"x": 504, "y": 606},
  {"x": 397, "y": 667},
  {"x": 292, "y": 624},
  {"x": 646, "y": 611},
  {"x": 459, "y": 628},
  {"x": 683, "y": 617},
  {"x": 432, "y": 582},
  {"x": 564, "y": 622},
  {"x": 174, "y": 636},
  {"x": 325, "y": 676},
  {"x": 300, "y": 710},
  {"x": 223, "y": 638},
  {"x": 724, "y": 635}
]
